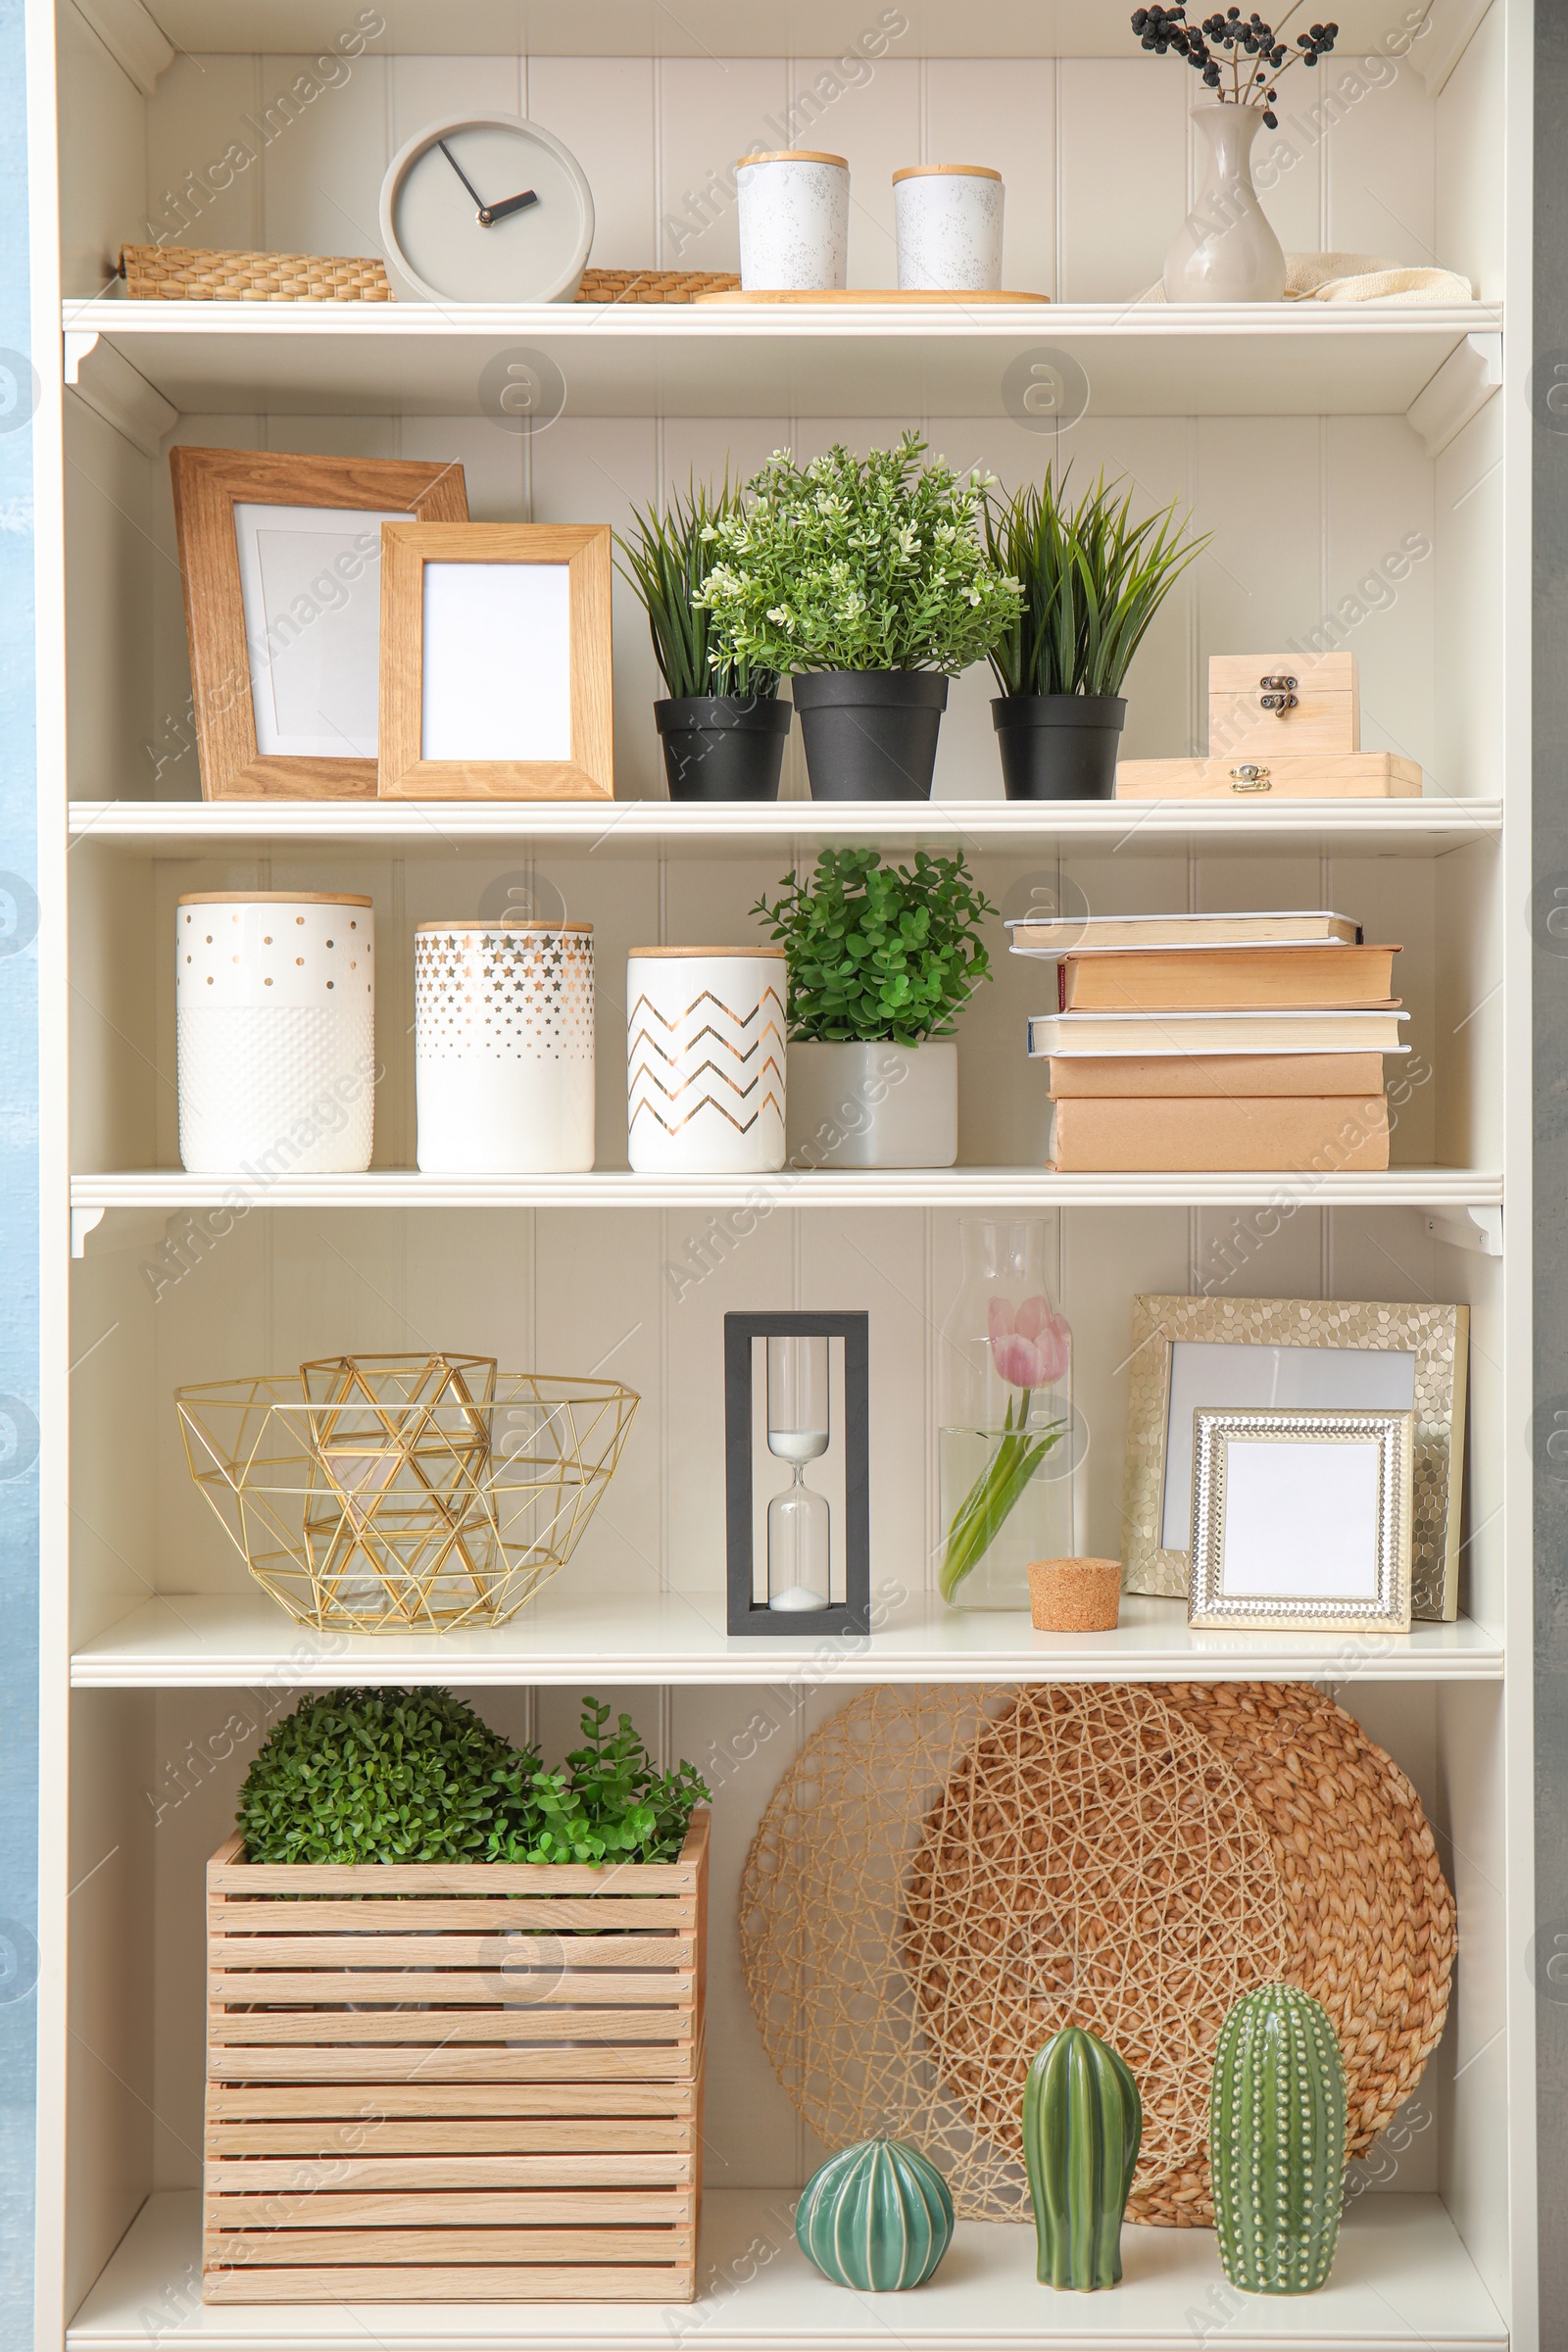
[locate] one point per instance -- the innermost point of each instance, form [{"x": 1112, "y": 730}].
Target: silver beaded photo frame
[{"x": 1301, "y": 1521}]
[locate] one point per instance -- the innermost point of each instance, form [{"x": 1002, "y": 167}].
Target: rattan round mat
[{"x": 947, "y": 1876}]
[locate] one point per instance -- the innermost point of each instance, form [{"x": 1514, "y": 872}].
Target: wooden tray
[
  {"x": 1255, "y": 780},
  {"x": 440, "y": 2082},
  {"x": 865, "y": 294}
]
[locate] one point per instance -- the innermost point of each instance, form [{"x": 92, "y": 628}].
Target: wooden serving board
[
  {"x": 868, "y": 294},
  {"x": 1286, "y": 776},
  {"x": 441, "y": 2082}
]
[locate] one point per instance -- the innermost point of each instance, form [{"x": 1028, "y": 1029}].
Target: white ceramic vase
[
  {"x": 794, "y": 221},
  {"x": 704, "y": 1059},
  {"x": 504, "y": 1048},
  {"x": 948, "y": 221},
  {"x": 1226, "y": 250},
  {"x": 873, "y": 1106},
  {"x": 274, "y": 1032}
]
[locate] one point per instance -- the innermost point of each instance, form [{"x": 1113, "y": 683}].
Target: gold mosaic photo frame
[{"x": 1438, "y": 1337}]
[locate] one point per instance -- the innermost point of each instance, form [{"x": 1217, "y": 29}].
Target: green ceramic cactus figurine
[
  {"x": 1276, "y": 2141},
  {"x": 876, "y": 2216},
  {"x": 1082, "y": 2123}
]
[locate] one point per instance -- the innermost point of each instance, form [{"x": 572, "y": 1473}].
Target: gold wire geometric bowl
[{"x": 389, "y": 1492}]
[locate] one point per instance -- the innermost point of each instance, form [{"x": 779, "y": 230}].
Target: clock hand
[
  {"x": 508, "y": 204},
  {"x": 484, "y": 217}
]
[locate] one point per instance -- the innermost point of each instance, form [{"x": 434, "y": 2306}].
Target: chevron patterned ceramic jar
[
  {"x": 504, "y": 1048},
  {"x": 704, "y": 1059},
  {"x": 274, "y": 1032}
]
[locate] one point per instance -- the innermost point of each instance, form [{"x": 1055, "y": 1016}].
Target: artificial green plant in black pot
[
  {"x": 722, "y": 727},
  {"x": 867, "y": 581},
  {"x": 1092, "y": 580}
]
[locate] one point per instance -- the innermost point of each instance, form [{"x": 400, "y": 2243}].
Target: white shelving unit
[{"x": 1365, "y": 474}]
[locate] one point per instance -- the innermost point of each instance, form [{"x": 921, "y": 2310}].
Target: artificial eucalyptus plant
[
  {"x": 879, "y": 953},
  {"x": 417, "y": 1776},
  {"x": 1092, "y": 580},
  {"x": 667, "y": 561}
]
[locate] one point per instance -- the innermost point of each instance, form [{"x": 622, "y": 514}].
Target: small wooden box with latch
[{"x": 1283, "y": 727}]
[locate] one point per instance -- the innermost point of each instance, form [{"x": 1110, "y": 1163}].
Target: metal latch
[
  {"x": 1277, "y": 695},
  {"x": 1249, "y": 777}
]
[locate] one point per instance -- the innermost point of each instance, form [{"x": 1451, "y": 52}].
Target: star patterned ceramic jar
[
  {"x": 274, "y": 1032},
  {"x": 794, "y": 221},
  {"x": 504, "y": 1048}
]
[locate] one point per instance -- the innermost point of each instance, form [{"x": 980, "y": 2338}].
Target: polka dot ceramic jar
[
  {"x": 274, "y": 1030},
  {"x": 948, "y": 221},
  {"x": 794, "y": 221},
  {"x": 504, "y": 1046}
]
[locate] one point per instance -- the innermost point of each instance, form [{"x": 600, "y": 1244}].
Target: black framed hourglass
[{"x": 813, "y": 1370}]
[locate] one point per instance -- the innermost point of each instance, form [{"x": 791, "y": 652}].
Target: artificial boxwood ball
[{"x": 877, "y": 2216}]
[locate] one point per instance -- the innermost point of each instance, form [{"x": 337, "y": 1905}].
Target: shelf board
[
  {"x": 777, "y": 361},
  {"x": 805, "y": 29},
  {"x": 794, "y": 1188},
  {"x": 1402, "y": 2278},
  {"x": 1424, "y": 828},
  {"x": 219, "y": 1640}
]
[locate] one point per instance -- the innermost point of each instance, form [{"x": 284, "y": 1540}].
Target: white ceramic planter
[
  {"x": 794, "y": 221},
  {"x": 704, "y": 1059},
  {"x": 274, "y": 1032},
  {"x": 873, "y": 1106},
  {"x": 504, "y": 1048},
  {"x": 947, "y": 219}
]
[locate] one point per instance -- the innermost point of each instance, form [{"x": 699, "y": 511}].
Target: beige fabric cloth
[{"x": 1360, "y": 277}]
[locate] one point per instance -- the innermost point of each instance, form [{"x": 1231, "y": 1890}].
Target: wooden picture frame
[
  {"x": 210, "y": 485},
  {"x": 1301, "y": 1521},
  {"x": 1361, "y": 1336},
  {"x": 441, "y": 658}
]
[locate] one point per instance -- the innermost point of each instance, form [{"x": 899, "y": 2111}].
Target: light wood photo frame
[
  {"x": 274, "y": 619},
  {"x": 1300, "y": 1521},
  {"x": 496, "y": 662},
  {"x": 1378, "y": 1356}
]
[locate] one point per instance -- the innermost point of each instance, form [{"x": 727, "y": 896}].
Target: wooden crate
[{"x": 492, "y": 2091}]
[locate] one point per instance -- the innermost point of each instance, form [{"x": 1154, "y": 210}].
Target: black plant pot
[
  {"x": 870, "y": 734},
  {"x": 1058, "y": 746},
  {"x": 723, "y": 746}
]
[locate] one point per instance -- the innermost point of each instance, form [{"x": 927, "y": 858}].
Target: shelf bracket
[
  {"x": 1461, "y": 388},
  {"x": 132, "y": 40},
  {"x": 83, "y": 1222},
  {"x": 106, "y": 382},
  {"x": 1471, "y": 1228}
]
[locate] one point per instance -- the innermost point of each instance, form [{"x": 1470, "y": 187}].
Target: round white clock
[{"x": 486, "y": 208}]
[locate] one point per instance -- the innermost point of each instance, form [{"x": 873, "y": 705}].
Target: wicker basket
[
  {"x": 187, "y": 273},
  {"x": 447, "y": 2083}
]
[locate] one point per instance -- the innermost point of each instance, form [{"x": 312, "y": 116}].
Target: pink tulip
[{"x": 1030, "y": 1345}]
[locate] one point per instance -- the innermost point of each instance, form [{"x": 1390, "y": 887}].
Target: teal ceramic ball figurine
[{"x": 877, "y": 2217}]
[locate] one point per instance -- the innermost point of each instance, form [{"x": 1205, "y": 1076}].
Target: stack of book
[{"x": 1215, "y": 1041}]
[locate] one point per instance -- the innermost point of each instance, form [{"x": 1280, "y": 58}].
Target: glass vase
[
  {"x": 1005, "y": 1420},
  {"x": 1225, "y": 250}
]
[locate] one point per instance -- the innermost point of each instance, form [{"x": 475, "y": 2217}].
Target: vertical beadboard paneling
[
  {"x": 1147, "y": 457},
  {"x": 111, "y": 712},
  {"x": 492, "y": 457},
  {"x": 1469, "y": 162},
  {"x": 201, "y": 116},
  {"x": 102, "y": 160},
  {"x": 429, "y": 89},
  {"x": 603, "y": 107},
  {"x": 875, "y": 124},
  {"x": 984, "y": 111},
  {"x": 596, "y": 469},
  {"x": 1121, "y": 173},
  {"x": 1106, "y": 1259},
  {"x": 713, "y": 109},
  {"x": 1468, "y": 590},
  {"x": 1259, "y": 584},
  {"x": 1288, "y": 163},
  {"x": 1378, "y": 158},
  {"x": 328, "y": 152},
  {"x": 1381, "y": 573}
]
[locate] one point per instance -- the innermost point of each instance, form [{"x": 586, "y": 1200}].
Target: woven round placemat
[
  {"x": 191, "y": 274},
  {"x": 1373, "y": 1928},
  {"x": 945, "y": 1876}
]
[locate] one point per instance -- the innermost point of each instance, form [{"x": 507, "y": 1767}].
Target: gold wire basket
[{"x": 392, "y": 1492}]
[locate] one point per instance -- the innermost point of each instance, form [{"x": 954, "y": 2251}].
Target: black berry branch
[{"x": 1240, "y": 58}]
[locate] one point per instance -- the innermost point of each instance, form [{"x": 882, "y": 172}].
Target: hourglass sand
[{"x": 798, "y": 1520}]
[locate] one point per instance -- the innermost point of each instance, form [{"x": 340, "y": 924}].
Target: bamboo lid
[
  {"x": 791, "y": 155},
  {"x": 945, "y": 171},
  {"x": 500, "y": 922},
  {"x": 273, "y": 898}
]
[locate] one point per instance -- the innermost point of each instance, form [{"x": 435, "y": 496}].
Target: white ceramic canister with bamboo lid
[
  {"x": 794, "y": 221},
  {"x": 947, "y": 219},
  {"x": 274, "y": 1032}
]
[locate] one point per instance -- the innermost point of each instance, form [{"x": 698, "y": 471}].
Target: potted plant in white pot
[
  {"x": 867, "y": 581},
  {"x": 881, "y": 960},
  {"x": 1092, "y": 580},
  {"x": 722, "y": 727}
]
